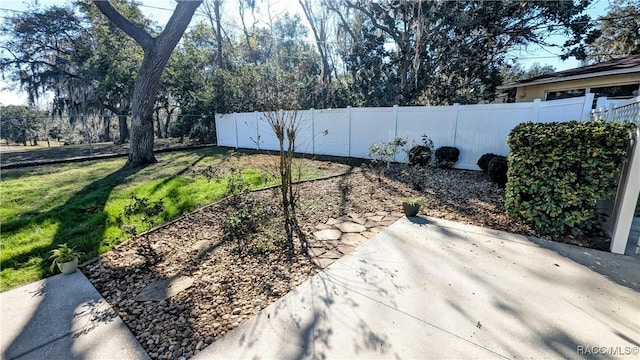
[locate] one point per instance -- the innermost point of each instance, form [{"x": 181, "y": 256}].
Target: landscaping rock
[
  {"x": 164, "y": 289},
  {"x": 350, "y": 227}
]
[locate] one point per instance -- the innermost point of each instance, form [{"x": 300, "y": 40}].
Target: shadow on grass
[{"x": 80, "y": 222}]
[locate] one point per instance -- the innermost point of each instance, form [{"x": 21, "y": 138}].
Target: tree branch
[{"x": 140, "y": 35}]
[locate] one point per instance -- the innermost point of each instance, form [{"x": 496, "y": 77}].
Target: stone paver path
[{"x": 338, "y": 237}]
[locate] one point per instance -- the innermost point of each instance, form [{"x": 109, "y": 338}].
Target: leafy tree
[
  {"x": 115, "y": 61},
  {"x": 46, "y": 51},
  {"x": 435, "y": 52},
  {"x": 157, "y": 51},
  {"x": 21, "y": 123},
  {"x": 618, "y": 34},
  {"x": 516, "y": 72}
]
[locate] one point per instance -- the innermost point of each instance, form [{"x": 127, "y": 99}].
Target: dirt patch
[{"x": 230, "y": 285}]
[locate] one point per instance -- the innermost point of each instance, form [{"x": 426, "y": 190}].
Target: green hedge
[{"x": 557, "y": 171}]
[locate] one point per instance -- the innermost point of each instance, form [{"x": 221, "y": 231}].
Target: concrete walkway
[
  {"x": 427, "y": 288},
  {"x": 63, "y": 317}
]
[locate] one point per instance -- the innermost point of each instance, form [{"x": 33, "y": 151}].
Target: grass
[{"x": 79, "y": 203}]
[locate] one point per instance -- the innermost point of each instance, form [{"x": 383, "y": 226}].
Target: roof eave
[{"x": 572, "y": 77}]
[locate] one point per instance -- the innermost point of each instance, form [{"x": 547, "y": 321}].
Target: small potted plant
[
  {"x": 65, "y": 258},
  {"x": 411, "y": 206}
]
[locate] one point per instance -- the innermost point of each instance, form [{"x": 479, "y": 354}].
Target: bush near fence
[{"x": 557, "y": 172}]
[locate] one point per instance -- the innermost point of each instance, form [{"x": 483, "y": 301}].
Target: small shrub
[
  {"x": 245, "y": 217},
  {"x": 447, "y": 156},
  {"x": 382, "y": 154},
  {"x": 497, "y": 170},
  {"x": 420, "y": 155},
  {"x": 483, "y": 162}
]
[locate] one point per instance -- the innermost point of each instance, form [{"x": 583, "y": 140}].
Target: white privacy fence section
[
  {"x": 474, "y": 129},
  {"x": 618, "y": 110}
]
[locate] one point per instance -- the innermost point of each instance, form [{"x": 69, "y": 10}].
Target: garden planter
[
  {"x": 410, "y": 210},
  {"x": 68, "y": 267}
]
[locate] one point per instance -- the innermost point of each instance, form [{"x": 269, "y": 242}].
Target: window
[
  {"x": 616, "y": 92},
  {"x": 555, "y": 95}
]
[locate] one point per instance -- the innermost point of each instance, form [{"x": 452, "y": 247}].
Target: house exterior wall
[{"x": 539, "y": 91}]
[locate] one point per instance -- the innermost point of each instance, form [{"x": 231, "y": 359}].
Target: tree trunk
[
  {"x": 156, "y": 55},
  {"x": 123, "y": 127},
  {"x": 106, "y": 123}
]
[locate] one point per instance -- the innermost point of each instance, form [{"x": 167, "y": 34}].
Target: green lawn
[{"x": 78, "y": 204}]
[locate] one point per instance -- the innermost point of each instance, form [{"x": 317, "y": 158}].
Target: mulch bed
[{"x": 232, "y": 282}]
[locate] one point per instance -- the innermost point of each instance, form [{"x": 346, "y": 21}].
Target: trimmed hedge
[
  {"x": 483, "y": 162},
  {"x": 497, "y": 170},
  {"x": 557, "y": 172},
  {"x": 447, "y": 156}
]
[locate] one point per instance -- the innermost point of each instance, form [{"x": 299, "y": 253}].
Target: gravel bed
[{"x": 232, "y": 283}]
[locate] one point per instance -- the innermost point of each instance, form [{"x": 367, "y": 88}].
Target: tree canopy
[{"x": 237, "y": 55}]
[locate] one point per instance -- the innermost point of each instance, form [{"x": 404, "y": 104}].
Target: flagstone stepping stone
[
  {"x": 315, "y": 252},
  {"x": 377, "y": 229},
  {"x": 323, "y": 227},
  {"x": 323, "y": 262},
  {"x": 331, "y": 254},
  {"x": 327, "y": 234},
  {"x": 164, "y": 289},
  {"x": 370, "y": 224},
  {"x": 333, "y": 222},
  {"x": 352, "y": 239},
  {"x": 397, "y": 214},
  {"x": 376, "y": 218},
  {"x": 368, "y": 234},
  {"x": 389, "y": 218},
  {"x": 344, "y": 218},
  {"x": 350, "y": 227},
  {"x": 360, "y": 221},
  {"x": 345, "y": 249}
]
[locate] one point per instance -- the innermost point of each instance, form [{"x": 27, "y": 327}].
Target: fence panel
[
  {"x": 331, "y": 130},
  {"x": 437, "y": 122},
  {"x": 484, "y": 129},
  {"x": 370, "y": 126},
  {"x": 474, "y": 129},
  {"x": 226, "y": 130}
]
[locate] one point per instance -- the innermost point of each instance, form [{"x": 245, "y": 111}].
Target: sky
[{"x": 161, "y": 10}]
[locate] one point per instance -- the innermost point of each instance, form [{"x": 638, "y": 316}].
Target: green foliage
[
  {"x": 557, "y": 172},
  {"x": 21, "y": 123},
  {"x": 484, "y": 160},
  {"x": 497, "y": 170},
  {"x": 615, "y": 36},
  {"x": 412, "y": 201},
  {"x": 79, "y": 204},
  {"x": 148, "y": 212},
  {"x": 421, "y": 154},
  {"x": 62, "y": 254},
  {"x": 246, "y": 216},
  {"x": 447, "y": 156},
  {"x": 383, "y": 153}
]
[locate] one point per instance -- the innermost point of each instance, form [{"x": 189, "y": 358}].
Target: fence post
[
  {"x": 313, "y": 132},
  {"x": 608, "y": 116},
  {"x": 257, "y": 129},
  {"x": 586, "y": 108},
  {"x": 456, "y": 109},
  {"x": 349, "y": 131},
  {"x": 235, "y": 119},
  {"x": 535, "y": 110}
]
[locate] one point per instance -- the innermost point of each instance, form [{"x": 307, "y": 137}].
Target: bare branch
[{"x": 140, "y": 35}]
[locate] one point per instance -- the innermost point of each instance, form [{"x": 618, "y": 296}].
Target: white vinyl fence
[
  {"x": 622, "y": 207},
  {"x": 474, "y": 129}
]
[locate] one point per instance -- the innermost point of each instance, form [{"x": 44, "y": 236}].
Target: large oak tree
[{"x": 157, "y": 51}]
